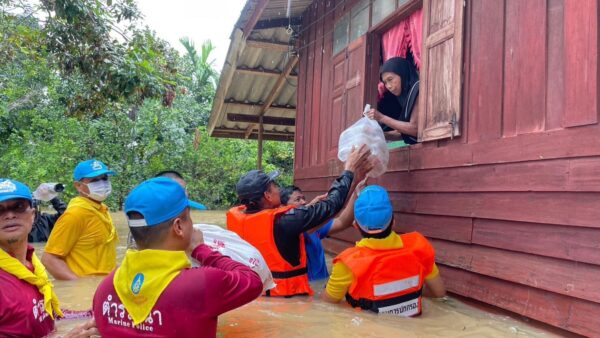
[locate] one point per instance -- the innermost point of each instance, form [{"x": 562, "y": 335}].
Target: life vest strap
[
  {"x": 289, "y": 274},
  {"x": 375, "y": 305}
]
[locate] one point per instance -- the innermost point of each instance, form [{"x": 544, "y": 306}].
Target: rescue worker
[
  {"x": 155, "y": 292},
  {"x": 315, "y": 253},
  {"x": 84, "y": 239},
  {"x": 385, "y": 272},
  {"x": 277, "y": 231},
  {"x": 28, "y": 304}
]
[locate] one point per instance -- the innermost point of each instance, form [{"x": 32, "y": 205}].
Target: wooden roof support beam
[
  {"x": 262, "y": 72},
  {"x": 259, "y": 8},
  {"x": 274, "y": 91},
  {"x": 278, "y": 23},
  {"x": 270, "y": 45},
  {"x": 239, "y": 134},
  {"x": 257, "y": 105},
  {"x": 273, "y": 120}
]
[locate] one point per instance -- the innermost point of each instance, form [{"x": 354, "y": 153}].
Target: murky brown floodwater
[{"x": 310, "y": 317}]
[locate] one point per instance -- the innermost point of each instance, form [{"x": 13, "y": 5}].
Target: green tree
[{"x": 53, "y": 116}]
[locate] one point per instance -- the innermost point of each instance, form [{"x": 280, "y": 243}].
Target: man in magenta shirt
[
  {"x": 28, "y": 305},
  {"x": 155, "y": 292}
]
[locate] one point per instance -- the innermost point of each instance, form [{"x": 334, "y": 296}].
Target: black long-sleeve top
[
  {"x": 290, "y": 226},
  {"x": 44, "y": 223}
]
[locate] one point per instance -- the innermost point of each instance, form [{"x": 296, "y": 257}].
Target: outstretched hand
[
  {"x": 360, "y": 162},
  {"x": 318, "y": 199}
]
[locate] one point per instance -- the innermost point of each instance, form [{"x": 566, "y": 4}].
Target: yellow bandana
[
  {"x": 100, "y": 210},
  {"x": 143, "y": 276},
  {"x": 37, "y": 278}
]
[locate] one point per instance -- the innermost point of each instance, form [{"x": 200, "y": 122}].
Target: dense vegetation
[{"x": 83, "y": 78}]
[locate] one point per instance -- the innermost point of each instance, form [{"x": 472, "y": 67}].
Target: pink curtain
[{"x": 408, "y": 33}]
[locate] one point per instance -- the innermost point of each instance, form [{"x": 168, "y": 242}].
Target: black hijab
[
  {"x": 405, "y": 68},
  {"x": 400, "y": 107}
]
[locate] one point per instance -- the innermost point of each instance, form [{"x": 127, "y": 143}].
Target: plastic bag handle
[{"x": 366, "y": 110}]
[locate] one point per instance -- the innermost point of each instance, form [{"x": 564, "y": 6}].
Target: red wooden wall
[{"x": 512, "y": 206}]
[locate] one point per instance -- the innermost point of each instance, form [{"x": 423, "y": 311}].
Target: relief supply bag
[
  {"x": 228, "y": 243},
  {"x": 365, "y": 131}
]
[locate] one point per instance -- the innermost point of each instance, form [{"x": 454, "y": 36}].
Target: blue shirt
[{"x": 317, "y": 268}]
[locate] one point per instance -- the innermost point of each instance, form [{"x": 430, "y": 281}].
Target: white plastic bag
[
  {"x": 369, "y": 132},
  {"x": 45, "y": 192},
  {"x": 230, "y": 244}
]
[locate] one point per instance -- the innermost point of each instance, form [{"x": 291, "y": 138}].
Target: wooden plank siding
[{"x": 512, "y": 206}]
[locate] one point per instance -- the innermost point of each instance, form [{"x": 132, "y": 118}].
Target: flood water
[{"x": 310, "y": 317}]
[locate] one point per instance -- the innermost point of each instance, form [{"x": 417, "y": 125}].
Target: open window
[{"x": 435, "y": 43}]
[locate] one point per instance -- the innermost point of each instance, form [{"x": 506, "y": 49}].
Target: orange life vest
[
  {"x": 257, "y": 229},
  {"x": 389, "y": 281}
]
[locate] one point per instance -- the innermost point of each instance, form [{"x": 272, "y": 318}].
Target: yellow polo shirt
[
  {"x": 85, "y": 237},
  {"x": 341, "y": 276}
]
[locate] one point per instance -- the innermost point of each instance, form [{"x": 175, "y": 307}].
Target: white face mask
[{"x": 99, "y": 190}]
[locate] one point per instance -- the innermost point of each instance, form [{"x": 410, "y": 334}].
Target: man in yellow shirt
[
  {"x": 385, "y": 272},
  {"x": 84, "y": 239}
]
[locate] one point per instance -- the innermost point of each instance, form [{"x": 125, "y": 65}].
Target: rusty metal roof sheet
[{"x": 253, "y": 67}]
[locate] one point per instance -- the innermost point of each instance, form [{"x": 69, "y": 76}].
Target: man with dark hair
[
  {"x": 385, "y": 272},
  {"x": 276, "y": 231},
  {"x": 155, "y": 290},
  {"x": 315, "y": 254},
  {"x": 28, "y": 304}
]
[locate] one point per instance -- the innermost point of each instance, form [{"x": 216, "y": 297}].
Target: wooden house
[{"x": 505, "y": 181}]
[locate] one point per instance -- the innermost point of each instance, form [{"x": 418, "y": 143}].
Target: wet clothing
[
  {"x": 22, "y": 310},
  {"x": 401, "y": 107},
  {"x": 289, "y": 226},
  {"x": 143, "y": 276},
  {"x": 85, "y": 237},
  {"x": 257, "y": 229},
  {"x": 317, "y": 267},
  {"x": 190, "y": 304},
  {"x": 358, "y": 275},
  {"x": 44, "y": 223}
]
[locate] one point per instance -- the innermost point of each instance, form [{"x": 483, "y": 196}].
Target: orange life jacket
[
  {"x": 389, "y": 281},
  {"x": 257, "y": 229}
]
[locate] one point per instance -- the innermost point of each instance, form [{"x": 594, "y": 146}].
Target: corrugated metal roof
[{"x": 253, "y": 67}]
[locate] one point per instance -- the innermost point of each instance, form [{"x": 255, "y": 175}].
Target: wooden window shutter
[{"x": 441, "y": 71}]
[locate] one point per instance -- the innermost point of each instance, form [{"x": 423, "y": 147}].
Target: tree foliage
[{"x": 70, "y": 91}]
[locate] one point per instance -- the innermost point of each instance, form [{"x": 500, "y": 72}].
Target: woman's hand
[{"x": 374, "y": 114}]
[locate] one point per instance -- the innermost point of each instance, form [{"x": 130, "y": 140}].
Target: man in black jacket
[
  {"x": 261, "y": 209},
  {"x": 44, "y": 222}
]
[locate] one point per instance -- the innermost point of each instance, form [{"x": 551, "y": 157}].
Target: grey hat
[{"x": 254, "y": 184}]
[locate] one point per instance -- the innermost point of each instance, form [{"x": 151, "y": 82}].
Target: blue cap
[
  {"x": 373, "y": 210},
  {"x": 91, "y": 168},
  {"x": 158, "y": 199},
  {"x": 10, "y": 190},
  {"x": 198, "y": 205}
]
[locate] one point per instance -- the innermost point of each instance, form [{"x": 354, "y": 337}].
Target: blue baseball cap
[
  {"x": 197, "y": 205},
  {"x": 158, "y": 199},
  {"x": 373, "y": 209},
  {"x": 11, "y": 189},
  {"x": 91, "y": 168}
]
